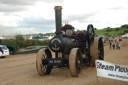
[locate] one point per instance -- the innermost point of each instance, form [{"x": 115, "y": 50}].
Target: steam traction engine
[{"x": 72, "y": 49}]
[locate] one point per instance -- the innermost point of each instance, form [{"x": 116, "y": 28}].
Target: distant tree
[
  {"x": 41, "y": 34},
  {"x": 83, "y": 30},
  {"x": 0, "y": 41},
  {"x": 108, "y": 29},
  {"x": 9, "y": 41},
  {"x": 20, "y": 41},
  {"x": 117, "y": 29},
  {"x": 124, "y": 26},
  {"x": 106, "y": 34},
  {"x": 126, "y": 31},
  {"x": 95, "y": 28}
]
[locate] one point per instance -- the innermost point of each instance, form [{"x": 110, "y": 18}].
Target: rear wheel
[
  {"x": 75, "y": 62},
  {"x": 43, "y": 69},
  {"x": 96, "y": 50}
]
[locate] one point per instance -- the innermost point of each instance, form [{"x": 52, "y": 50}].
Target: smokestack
[{"x": 58, "y": 19}]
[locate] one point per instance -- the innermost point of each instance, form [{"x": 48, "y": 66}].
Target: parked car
[{"x": 4, "y": 51}]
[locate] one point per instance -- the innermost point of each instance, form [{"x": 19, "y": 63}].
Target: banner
[{"x": 113, "y": 71}]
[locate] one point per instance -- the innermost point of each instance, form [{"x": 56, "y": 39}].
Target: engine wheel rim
[
  {"x": 77, "y": 65},
  {"x": 44, "y": 67},
  {"x": 78, "y": 62}
]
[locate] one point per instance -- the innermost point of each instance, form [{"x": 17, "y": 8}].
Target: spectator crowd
[{"x": 114, "y": 44}]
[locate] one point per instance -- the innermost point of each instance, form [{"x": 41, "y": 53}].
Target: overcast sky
[{"x": 37, "y": 16}]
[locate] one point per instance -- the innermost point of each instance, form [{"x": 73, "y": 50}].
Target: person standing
[
  {"x": 110, "y": 44},
  {"x": 115, "y": 40},
  {"x": 119, "y": 46},
  {"x": 113, "y": 46}
]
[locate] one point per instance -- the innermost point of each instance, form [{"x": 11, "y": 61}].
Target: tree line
[{"x": 22, "y": 43}]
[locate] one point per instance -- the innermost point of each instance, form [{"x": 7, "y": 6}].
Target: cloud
[
  {"x": 15, "y": 31},
  {"x": 35, "y": 16},
  {"x": 20, "y": 5},
  {"x": 80, "y": 17},
  {"x": 27, "y": 2},
  {"x": 17, "y": 2},
  {"x": 30, "y": 25},
  {"x": 13, "y": 8},
  {"x": 33, "y": 21},
  {"x": 21, "y": 17},
  {"x": 15, "y": 5}
]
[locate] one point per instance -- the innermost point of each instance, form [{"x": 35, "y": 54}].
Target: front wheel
[
  {"x": 75, "y": 62},
  {"x": 43, "y": 69}
]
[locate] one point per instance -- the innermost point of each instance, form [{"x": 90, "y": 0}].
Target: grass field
[{"x": 111, "y": 31}]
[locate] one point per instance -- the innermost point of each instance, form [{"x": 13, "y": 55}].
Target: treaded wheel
[
  {"x": 43, "y": 69},
  {"x": 90, "y": 31},
  {"x": 96, "y": 50},
  {"x": 75, "y": 62}
]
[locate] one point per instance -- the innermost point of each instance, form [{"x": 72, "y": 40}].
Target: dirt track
[{"x": 21, "y": 70}]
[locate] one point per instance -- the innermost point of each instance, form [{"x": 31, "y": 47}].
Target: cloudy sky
[{"x": 37, "y": 16}]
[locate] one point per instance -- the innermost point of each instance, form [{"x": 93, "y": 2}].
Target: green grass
[{"x": 112, "y": 31}]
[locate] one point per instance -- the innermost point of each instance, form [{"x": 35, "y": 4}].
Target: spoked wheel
[
  {"x": 75, "y": 62},
  {"x": 42, "y": 67},
  {"x": 96, "y": 50},
  {"x": 90, "y": 31}
]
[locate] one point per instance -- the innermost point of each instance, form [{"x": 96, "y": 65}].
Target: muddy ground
[{"x": 21, "y": 70}]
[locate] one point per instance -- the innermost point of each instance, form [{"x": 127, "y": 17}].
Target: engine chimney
[{"x": 58, "y": 19}]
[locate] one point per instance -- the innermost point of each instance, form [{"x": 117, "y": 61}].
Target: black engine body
[{"x": 67, "y": 38}]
